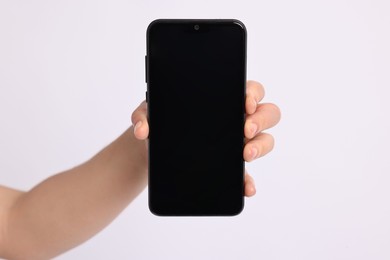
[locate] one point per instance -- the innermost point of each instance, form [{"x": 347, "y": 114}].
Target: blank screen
[{"x": 196, "y": 94}]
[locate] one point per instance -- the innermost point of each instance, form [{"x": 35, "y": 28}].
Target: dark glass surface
[{"x": 196, "y": 94}]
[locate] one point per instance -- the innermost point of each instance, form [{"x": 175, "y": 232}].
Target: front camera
[{"x": 196, "y": 27}]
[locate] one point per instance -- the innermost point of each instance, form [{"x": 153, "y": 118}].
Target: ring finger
[{"x": 260, "y": 145}]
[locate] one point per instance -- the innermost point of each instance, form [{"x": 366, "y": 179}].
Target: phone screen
[{"x": 196, "y": 73}]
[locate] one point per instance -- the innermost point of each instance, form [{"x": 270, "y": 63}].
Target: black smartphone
[{"x": 196, "y": 77}]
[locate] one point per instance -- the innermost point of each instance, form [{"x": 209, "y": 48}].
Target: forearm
[{"x": 70, "y": 207}]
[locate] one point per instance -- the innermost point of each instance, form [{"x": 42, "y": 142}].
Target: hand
[{"x": 259, "y": 117}]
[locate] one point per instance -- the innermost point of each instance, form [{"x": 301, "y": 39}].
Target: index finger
[{"x": 254, "y": 94}]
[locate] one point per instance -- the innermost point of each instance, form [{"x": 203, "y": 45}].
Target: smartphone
[{"x": 196, "y": 77}]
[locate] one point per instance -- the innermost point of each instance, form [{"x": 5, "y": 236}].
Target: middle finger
[{"x": 266, "y": 116}]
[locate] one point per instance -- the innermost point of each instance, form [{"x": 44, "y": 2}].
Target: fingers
[
  {"x": 266, "y": 116},
  {"x": 254, "y": 94},
  {"x": 250, "y": 188},
  {"x": 140, "y": 121},
  {"x": 260, "y": 145}
]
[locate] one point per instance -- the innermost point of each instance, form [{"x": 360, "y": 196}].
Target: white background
[{"x": 71, "y": 72}]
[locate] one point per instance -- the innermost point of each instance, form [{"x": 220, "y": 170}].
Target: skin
[{"x": 70, "y": 207}]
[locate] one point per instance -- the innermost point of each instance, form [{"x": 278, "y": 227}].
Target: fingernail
[
  {"x": 137, "y": 125},
  {"x": 253, "y": 128},
  {"x": 253, "y": 153}
]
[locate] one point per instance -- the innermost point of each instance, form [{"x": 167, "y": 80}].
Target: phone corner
[
  {"x": 152, "y": 23},
  {"x": 237, "y": 211},
  {"x": 240, "y": 24},
  {"x": 154, "y": 212}
]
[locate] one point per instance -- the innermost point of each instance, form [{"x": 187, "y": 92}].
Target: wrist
[{"x": 126, "y": 155}]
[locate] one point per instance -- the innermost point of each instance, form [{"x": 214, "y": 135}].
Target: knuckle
[
  {"x": 134, "y": 116},
  {"x": 143, "y": 106},
  {"x": 139, "y": 113}
]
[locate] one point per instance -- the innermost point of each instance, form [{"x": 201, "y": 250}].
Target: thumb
[{"x": 140, "y": 122}]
